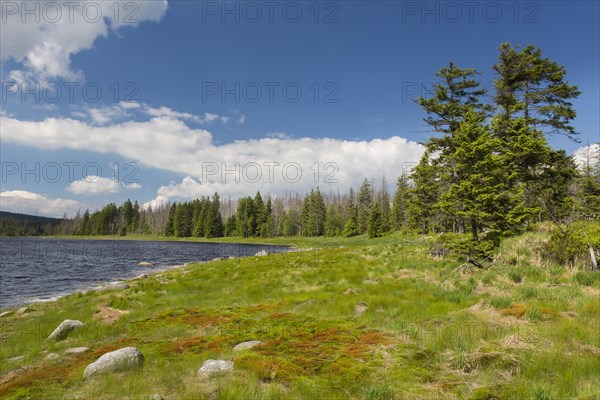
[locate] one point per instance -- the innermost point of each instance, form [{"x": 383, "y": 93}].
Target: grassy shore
[{"x": 348, "y": 319}]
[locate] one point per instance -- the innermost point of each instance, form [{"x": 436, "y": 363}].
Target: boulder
[
  {"x": 16, "y": 359},
  {"x": 247, "y": 345},
  {"x": 76, "y": 350},
  {"x": 64, "y": 329},
  {"x": 145, "y": 264},
  {"x": 156, "y": 396},
  {"x": 123, "y": 359},
  {"x": 217, "y": 259},
  {"x": 211, "y": 367},
  {"x": 52, "y": 356},
  {"x": 261, "y": 253},
  {"x": 22, "y": 311},
  {"x": 5, "y": 313},
  {"x": 360, "y": 308}
]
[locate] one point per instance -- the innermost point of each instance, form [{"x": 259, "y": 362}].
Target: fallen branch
[{"x": 472, "y": 261}]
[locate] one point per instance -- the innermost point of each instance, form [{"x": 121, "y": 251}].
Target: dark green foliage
[
  {"x": 496, "y": 173},
  {"x": 333, "y": 221},
  {"x": 350, "y": 229},
  {"x": 375, "y": 226},
  {"x": 313, "y": 214},
  {"x": 12, "y": 224},
  {"x": 566, "y": 247},
  {"x": 399, "y": 212},
  {"x": 169, "y": 228},
  {"x": 364, "y": 203}
]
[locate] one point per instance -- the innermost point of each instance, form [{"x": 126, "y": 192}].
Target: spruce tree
[
  {"x": 364, "y": 205},
  {"x": 375, "y": 225},
  {"x": 399, "y": 212}
]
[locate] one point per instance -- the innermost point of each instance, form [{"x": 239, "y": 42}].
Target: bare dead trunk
[{"x": 592, "y": 253}]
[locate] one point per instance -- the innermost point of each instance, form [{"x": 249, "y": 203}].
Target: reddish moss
[
  {"x": 259, "y": 307},
  {"x": 196, "y": 345},
  {"x": 517, "y": 310}
]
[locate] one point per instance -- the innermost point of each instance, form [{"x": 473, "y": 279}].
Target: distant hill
[{"x": 14, "y": 224}]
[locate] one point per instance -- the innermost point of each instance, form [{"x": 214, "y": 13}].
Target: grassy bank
[{"x": 349, "y": 319}]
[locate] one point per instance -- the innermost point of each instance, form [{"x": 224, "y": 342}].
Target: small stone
[
  {"x": 217, "y": 259},
  {"x": 211, "y": 367},
  {"x": 15, "y": 359},
  {"x": 22, "y": 310},
  {"x": 247, "y": 345},
  {"x": 52, "y": 356},
  {"x": 119, "y": 360},
  {"x": 156, "y": 396},
  {"x": 145, "y": 264},
  {"x": 360, "y": 308},
  {"x": 64, "y": 329},
  {"x": 261, "y": 253},
  {"x": 76, "y": 350},
  {"x": 351, "y": 291},
  {"x": 231, "y": 257},
  {"x": 371, "y": 282},
  {"x": 113, "y": 286},
  {"x": 11, "y": 375}
]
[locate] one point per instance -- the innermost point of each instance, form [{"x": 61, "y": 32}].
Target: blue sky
[{"x": 163, "y": 118}]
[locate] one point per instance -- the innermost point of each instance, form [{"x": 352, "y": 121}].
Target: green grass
[{"x": 428, "y": 333}]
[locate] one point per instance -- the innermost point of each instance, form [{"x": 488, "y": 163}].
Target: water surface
[{"x": 37, "y": 269}]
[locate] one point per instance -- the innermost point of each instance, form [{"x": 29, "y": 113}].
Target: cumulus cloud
[
  {"x": 44, "y": 39},
  {"x": 271, "y": 165},
  {"x": 93, "y": 185},
  {"x": 20, "y": 201},
  {"x": 585, "y": 153}
]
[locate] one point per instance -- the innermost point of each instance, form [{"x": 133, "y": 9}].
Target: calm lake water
[{"x": 35, "y": 269}]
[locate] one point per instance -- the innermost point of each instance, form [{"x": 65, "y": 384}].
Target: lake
[{"x": 37, "y": 269}]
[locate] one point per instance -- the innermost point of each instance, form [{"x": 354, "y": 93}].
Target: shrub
[
  {"x": 460, "y": 245},
  {"x": 571, "y": 247}
]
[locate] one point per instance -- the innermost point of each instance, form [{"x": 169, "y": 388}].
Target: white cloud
[
  {"x": 242, "y": 119},
  {"x": 93, "y": 185},
  {"x": 104, "y": 115},
  {"x": 46, "y": 40},
  {"x": 20, "y": 201},
  {"x": 109, "y": 114},
  {"x": 127, "y": 105},
  {"x": 169, "y": 113},
  {"x": 582, "y": 154},
  {"x": 167, "y": 143},
  {"x": 133, "y": 186},
  {"x": 158, "y": 202}
]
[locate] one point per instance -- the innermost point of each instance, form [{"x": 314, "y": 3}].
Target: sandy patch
[{"x": 108, "y": 315}]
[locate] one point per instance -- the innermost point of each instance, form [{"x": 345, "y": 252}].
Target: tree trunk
[
  {"x": 592, "y": 253},
  {"x": 474, "y": 229}
]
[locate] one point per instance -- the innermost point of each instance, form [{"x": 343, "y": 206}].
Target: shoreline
[{"x": 114, "y": 284}]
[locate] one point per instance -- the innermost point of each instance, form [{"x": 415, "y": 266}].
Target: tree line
[{"x": 487, "y": 168}]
